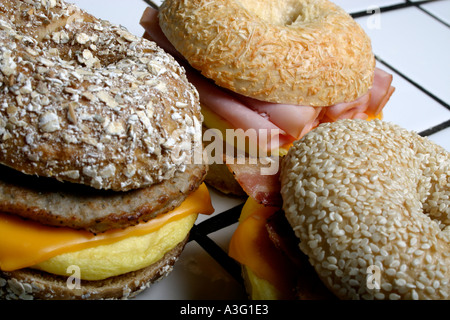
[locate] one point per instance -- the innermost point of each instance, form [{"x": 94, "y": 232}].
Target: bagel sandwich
[
  {"x": 98, "y": 129},
  {"x": 269, "y": 72},
  {"x": 364, "y": 216}
]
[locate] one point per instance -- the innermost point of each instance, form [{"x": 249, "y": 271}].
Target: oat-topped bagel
[
  {"x": 371, "y": 199},
  {"x": 292, "y": 51},
  {"x": 78, "y": 92}
]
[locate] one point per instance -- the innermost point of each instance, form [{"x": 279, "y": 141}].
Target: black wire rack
[{"x": 200, "y": 233}]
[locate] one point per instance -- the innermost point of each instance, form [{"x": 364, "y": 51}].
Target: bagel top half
[
  {"x": 304, "y": 52},
  {"x": 85, "y": 101}
]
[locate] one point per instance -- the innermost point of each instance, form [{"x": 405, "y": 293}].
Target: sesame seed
[{"x": 394, "y": 296}]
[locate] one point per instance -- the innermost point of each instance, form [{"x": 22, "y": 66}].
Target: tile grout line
[
  {"x": 393, "y": 7},
  {"x": 221, "y": 220},
  {"x": 424, "y": 10},
  {"x": 217, "y": 253},
  {"x": 151, "y": 4},
  {"x": 199, "y": 234},
  {"x": 419, "y": 6},
  {"x": 414, "y": 83},
  {"x": 435, "y": 129},
  {"x": 407, "y": 4}
]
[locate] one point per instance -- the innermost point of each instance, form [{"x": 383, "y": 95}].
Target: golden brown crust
[
  {"x": 27, "y": 284},
  {"x": 51, "y": 202},
  {"x": 370, "y": 203},
  {"x": 292, "y": 51},
  {"x": 86, "y": 101}
]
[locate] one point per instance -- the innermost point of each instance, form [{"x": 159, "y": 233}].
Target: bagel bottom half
[{"x": 30, "y": 283}]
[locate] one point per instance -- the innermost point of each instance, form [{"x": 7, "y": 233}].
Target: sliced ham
[
  {"x": 368, "y": 105},
  {"x": 236, "y": 113},
  {"x": 381, "y": 92},
  {"x": 295, "y": 120},
  {"x": 348, "y": 110},
  {"x": 150, "y": 22},
  {"x": 299, "y": 120}
]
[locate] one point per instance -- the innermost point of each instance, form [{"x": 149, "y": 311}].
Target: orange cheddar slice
[{"x": 252, "y": 247}]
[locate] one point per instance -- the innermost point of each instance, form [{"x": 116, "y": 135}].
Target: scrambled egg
[{"x": 124, "y": 256}]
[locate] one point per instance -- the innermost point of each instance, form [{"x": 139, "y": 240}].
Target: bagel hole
[{"x": 282, "y": 13}]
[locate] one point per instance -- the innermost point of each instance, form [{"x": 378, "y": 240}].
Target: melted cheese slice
[
  {"x": 267, "y": 269},
  {"x": 26, "y": 243}
]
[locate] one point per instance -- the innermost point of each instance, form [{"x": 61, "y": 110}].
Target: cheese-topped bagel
[{"x": 292, "y": 51}]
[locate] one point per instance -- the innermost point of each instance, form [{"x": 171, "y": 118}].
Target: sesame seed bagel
[
  {"x": 85, "y": 101},
  {"x": 370, "y": 203},
  {"x": 305, "y": 52}
]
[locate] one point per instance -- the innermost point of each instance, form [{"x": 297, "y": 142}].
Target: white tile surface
[
  {"x": 412, "y": 108},
  {"x": 442, "y": 138},
  {"x": 353, "y": 6},
  {"x": 440, "y": 9},
  {"x": 417, "y": 45}
]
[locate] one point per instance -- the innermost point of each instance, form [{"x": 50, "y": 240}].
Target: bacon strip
[{"x": 265, "y": 189}]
